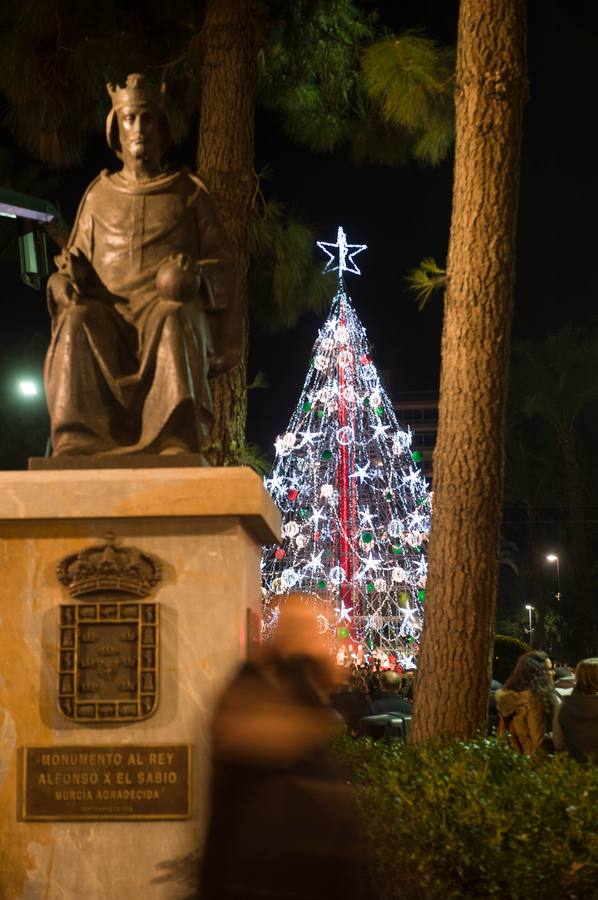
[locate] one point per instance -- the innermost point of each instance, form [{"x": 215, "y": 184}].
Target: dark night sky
[{"x": 403, "y": 215}]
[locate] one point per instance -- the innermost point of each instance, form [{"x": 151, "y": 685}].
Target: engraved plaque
[
  {"x": 108, "y": 646},
  {"x": 108, "y": 661},
  {"x": 128, "y": 781}
]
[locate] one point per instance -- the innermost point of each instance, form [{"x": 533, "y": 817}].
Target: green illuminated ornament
[
  {"x": 321, "y": 585},
  {"x": 410, "y": 639},
  {"x": 304, "y": 512},
  {"x": 418, "y": 549},
  {"x": 397, "y": 549},
  {"x": 417, "y": 456},
  {"x": 311, "y": 360},
  {"x": 421, "y": 500},
  {"x": 326, "y": 454},
  {"x": 307, "y": 406},
  {"x": 388, "y": 496},
  {"x": 320, "y": 414},
  {"x": 379, "y": 410},
  {"x": 370, "y": 587},
  {"x": 366, "y": 402},
  {"x": 343, "y": 633},
  {"x": 421, "y": 596},
  {"x": 367, "y": 537}
]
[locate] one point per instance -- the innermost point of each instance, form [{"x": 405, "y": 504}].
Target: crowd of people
[
  {"x": 283, "y": 822},
  {"x": 540, "y": 706}
]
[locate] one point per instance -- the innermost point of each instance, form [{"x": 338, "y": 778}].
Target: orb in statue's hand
[{"x": 178, "y": 278}]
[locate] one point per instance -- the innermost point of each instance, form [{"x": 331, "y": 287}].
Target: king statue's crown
[{"x": 138, "y": 91}]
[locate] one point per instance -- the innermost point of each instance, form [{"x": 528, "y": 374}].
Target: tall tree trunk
[
  {"x": 583, "y": 581},
  {"x": 225, "y": 154},
  {"x": 454, "y": 666}
]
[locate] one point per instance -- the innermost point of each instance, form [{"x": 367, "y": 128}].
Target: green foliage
[
  {"x": 284, "y": 280},
  {"x": 309, "y": 68},
  {"x": 386, "y": 104},
  {"x": 337, "y": 80},
  {"x": 507, "y": 651},
  {"x": 412, "y": 80},
  {"x": 453, "y": 819},
  {"x": 425, "y": 279},
  {"x": 56, "y": 57}
]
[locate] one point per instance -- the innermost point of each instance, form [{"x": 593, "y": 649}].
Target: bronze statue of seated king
[{"x": 135, "y": 303}]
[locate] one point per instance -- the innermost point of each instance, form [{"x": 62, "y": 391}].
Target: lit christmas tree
[{"x": 355, "y": 506}]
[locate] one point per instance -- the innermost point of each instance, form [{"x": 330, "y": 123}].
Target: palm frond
[{"x": 425, "y": 279}]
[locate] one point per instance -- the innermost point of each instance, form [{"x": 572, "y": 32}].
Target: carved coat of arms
[{"x": 108, "y": 654}]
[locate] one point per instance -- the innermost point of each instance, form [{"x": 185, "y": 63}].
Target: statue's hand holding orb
[{"x": 178, "y": 278}]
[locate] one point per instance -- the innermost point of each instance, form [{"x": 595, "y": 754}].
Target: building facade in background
[{"x": 418, "y": 410}]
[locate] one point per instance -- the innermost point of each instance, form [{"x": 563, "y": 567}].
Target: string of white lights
[{"x": 355, "y": 506}]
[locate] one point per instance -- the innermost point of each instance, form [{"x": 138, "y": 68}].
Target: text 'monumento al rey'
[
  {"x": 127, "y": 781},
  {"x": 109, "y": 637}
]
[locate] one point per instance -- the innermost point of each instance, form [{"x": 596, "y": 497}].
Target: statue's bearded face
[{"x": 139, "y": 133}]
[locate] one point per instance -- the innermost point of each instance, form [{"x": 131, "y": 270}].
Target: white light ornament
[
  {"x": 338, "y": 575},
  {"x": 290, "y": 529},
  {"x": 344, "y": 613},
  {"x": 340, "y": 255},
  {"x": 288, "y": 578},
  {"x": 345, "y": 435},
  {"x": 401, "y": 442},
  {"x": 398, "y": 575},
  {"x": 395, "y": 528},
  {"x": 341, "y": 334}
]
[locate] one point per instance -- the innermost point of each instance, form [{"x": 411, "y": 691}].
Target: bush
[
  {"x": 507, "y": 651},
  {"x": 453, "y": 819}
]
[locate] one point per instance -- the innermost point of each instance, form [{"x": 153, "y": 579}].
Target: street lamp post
[
  {"x": 553, "y": 558},
  {"x": 529, "y": 610}
]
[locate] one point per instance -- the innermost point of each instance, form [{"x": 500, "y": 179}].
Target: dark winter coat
[
  {"x": 576, "y": 727},
  {"x": 281, "y": 832},
  {"x": 390, "y": 704}
]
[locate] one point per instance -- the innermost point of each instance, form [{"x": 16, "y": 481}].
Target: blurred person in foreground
[
  {"x": 283, "y": 823},
  {"x": 526, "y": 703},
  {"x": 575, "y": 727}
]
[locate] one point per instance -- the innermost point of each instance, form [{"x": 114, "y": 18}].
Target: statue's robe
[{"x": 126, "y": 371}]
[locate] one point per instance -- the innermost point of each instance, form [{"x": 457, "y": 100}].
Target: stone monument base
[
  {"x": 102, "y": 796},
  {"x": 126, "y": 461}
]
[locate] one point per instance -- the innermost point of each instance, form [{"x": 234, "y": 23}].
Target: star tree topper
[{"x": 345, "y": 253}]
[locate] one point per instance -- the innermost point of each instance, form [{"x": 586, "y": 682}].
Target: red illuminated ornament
[
  {"x": 280, "y": 553},
  {"x": 293, "y": 493}
]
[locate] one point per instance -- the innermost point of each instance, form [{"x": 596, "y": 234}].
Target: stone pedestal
[{"x": 206, "y": 528}]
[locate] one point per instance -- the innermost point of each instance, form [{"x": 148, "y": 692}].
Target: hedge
[{"x": 454, "y": 819}]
